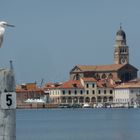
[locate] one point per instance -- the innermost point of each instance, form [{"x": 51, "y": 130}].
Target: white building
[
  {"x": 85, "y": 90},
  {"x": 127, "y": 93}
]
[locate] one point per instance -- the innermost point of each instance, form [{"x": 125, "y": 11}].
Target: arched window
[
  {"x": 110, "y": 76},
  {"x": 110, "y": 98},
  {"x": 93, "y": 99},
  {"x": 103, "y": 76},
  {"x": 69, "y": 92},
  {"x": 77, "y": 76},
  {"x": 111, "y": 91},
  {"x": 99, "y": 99},
  {"x": 63, "y": 92},
  {"x": 105, "y": 99},
  {"x": 97, "y": 76},
  {"x": 75, "y": 99},
  {"x": 87, "y": 99},
  {"x": 75, "y": 92},
  {"x": 81, "y": 99},
  {"x": 63, "y": 100},
  {"x": 69, "y": 99}
]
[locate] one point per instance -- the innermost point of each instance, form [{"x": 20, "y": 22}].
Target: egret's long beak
[{"x": 10, "y": 25}]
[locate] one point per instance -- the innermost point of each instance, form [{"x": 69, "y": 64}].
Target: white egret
[{"x": 3, "y": 25}]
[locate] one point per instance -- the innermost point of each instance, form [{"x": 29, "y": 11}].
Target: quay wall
[{"x": 35, "y": 105}]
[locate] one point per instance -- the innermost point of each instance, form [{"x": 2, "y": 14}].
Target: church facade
[{"x": 120, "y": 71}]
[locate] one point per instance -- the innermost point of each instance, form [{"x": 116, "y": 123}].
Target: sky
[{"x": 52, "y": 36}]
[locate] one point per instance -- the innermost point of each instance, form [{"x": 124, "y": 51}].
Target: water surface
[{"x": 78, "y": 124}]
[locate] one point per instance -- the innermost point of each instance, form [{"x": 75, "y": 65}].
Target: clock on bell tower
[{"x": 123, "y": 60}]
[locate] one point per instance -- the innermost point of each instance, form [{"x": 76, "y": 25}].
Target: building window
[
  {"x": 77, "y": 77},
  {"x": 93, "y": 85},
  {"x": 69, "y": 92},
  {"x": 111, "y": 91},
  {"x": 103, "y": 76},
  {"x": 110, "y": 76},
  {"x": 104, "y": 91},
  {"x": 81, "y": 91},
  {"x": 111, "y": 98},
  {"x": 63, "y": 91},
  {"x": 93, "y": 91},
  {"x": 87, "y": 85},
  {"x": 75, "y": 91},
  {"x": 97, "y": 76},
  {"x": 99, "y": 92},
  {"x": 87, "y": 91}
]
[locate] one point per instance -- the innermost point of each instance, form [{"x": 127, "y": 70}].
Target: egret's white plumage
[{"x": 3, "y": 25}]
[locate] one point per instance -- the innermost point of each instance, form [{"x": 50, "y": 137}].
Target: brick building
[{"x": 28, "y": 91}]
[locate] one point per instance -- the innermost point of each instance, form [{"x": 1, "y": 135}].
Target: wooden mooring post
[{"x": 7, "y": 104}]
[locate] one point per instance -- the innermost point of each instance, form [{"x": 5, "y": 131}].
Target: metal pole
[{"x": 7, "y": 105}]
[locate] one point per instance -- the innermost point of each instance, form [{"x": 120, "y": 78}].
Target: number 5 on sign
[{"x": 8, "y": 100}]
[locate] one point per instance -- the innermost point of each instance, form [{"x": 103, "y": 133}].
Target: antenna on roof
[
  {"x": 11, "y": 65},
  {"x": 42, "y": 81},
  {"x": 120, "y": 25}
]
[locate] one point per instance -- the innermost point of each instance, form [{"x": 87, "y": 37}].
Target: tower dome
[{"x": 121, "y": 33}]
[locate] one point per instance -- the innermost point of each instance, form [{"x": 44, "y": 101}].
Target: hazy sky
[{"x": 52, "y": 36}]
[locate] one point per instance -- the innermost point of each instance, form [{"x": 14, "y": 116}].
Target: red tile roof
[
  {"x": 25, "y": 91},
  {"x": 105, "y": 84},
  {"x": 129, "y": 85},
  {"x": 90, "y": 79},
  {"x": 51, "y": 85},
  {"x": 71, "y": 84},
  {"x": 66, "y": 85},
  {"x": 112, "y": 67}
]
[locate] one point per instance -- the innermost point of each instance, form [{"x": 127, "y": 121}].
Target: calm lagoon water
[{"x": 78, "y": 124}]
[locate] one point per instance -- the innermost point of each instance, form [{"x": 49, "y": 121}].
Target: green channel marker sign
[{"x": 8, "y": 100}]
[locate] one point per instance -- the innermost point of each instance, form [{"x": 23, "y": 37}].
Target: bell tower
[{"x": 121, "y": 51}]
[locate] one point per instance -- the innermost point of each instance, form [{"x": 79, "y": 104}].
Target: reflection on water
[{"x": 78, "y": 124}]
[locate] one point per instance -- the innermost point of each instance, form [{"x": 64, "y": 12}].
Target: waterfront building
[
  {"x": 85, "y": 90},
  {"x": 65, "y": 93},
  {"x": 127, "y": 93},
  {"x": 92, "y": 84},
  {"x": 28, "y": 91},
  {"x": 98, "y": 83},
  {"x": 105, "y": 93}
]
